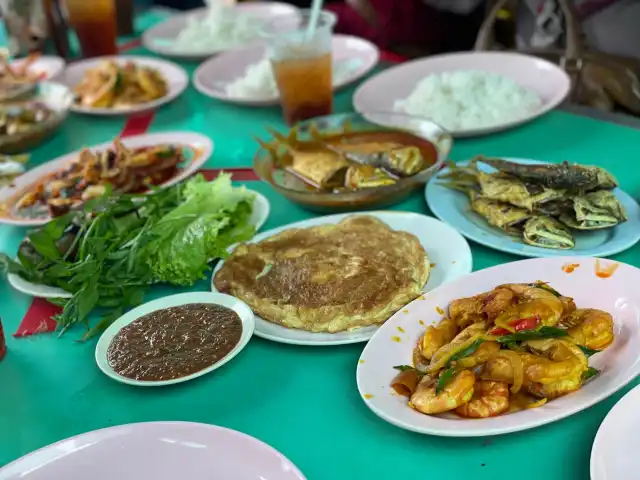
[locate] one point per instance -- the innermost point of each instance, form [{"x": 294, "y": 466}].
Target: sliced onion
[{"x": 518, "y": 369}]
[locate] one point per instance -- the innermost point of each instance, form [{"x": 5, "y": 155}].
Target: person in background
[
  {"x": 610, "y": 26},
  {"x": 177, "y": 4},
  {"x": 412, "y": 27}
]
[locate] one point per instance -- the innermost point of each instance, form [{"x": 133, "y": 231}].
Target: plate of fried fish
[
  {"x": 536, "y": 209},
  {"x": 333, "y": 280},
  {"x": 120, "y": 85},
  {"x": 507, "y": 348}
]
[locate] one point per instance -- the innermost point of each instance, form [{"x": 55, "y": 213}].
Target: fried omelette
[{"x": 328, "y": 278}]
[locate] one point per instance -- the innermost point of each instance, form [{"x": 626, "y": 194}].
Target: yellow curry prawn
[
  {"x": 514, "y": 347},
  {"x": 489, "y": 399},
  {"x": 457, "y": 392}
]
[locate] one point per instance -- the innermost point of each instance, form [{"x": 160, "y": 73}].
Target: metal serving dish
[{"x": 298, "y": 191}]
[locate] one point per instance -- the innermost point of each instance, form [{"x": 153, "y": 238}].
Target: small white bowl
[{"x": 243, "y": 311}]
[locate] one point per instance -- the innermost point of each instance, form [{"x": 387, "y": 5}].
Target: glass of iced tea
[
  {"x": 94, "y": 22},
  {"x": 302, "y": 64}
]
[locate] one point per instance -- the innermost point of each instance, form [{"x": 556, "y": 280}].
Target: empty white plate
[
  {"x": 158, "y": 451},
  {"x": 618, "y": 364},
  {"x": 614, "y": 455},
  {"x": 175, "y": 76},
  {"x": 241, "y": 309},
  {"x": 353, "y": 58},
  {"x": 446, "y": 248}
]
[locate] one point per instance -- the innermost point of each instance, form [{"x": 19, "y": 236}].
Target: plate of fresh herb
[
  {"x": 507, "y": 348},
  {"x": 97, "y": 262}
]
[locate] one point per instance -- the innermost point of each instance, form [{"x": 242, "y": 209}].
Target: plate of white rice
[
  {"x": 468, "y": 94},
  {"x": 244, "y": 76},
  {"x": 220, "y": 26}
]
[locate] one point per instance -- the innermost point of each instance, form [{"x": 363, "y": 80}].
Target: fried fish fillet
[{"x": 328, "y": 278}]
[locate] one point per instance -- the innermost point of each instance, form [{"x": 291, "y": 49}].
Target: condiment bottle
[{"x": 3, "y": 343}]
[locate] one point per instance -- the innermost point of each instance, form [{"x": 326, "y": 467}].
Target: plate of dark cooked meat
[
  {"x": 131, "y": 165},
  {"x": 536, "y": 209}
]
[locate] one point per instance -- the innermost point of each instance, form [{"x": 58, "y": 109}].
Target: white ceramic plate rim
[
  {"x": 50, "y": 65},
  {"x": 220, "y": 94},
  {"x": 43, "y": 455},
  {"x": 203, "y": 143},
  {"x": 300, "y": 337},
  {"x": 150, "y": 42},
  {"x": 607, "y": 430},
  {"x": 434, "y": 425},
  {"x": 545, "y": 108},
  {"x": 243, "y": 311},
  {"x": 259, "y": 216},
  {"x": 175, "y": 75},
  {"x": 524, "y": 249}
]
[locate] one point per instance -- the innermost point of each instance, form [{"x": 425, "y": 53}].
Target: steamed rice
[
  {"x": 259, "y": 81},
  {"x": 467, "y": 100}
]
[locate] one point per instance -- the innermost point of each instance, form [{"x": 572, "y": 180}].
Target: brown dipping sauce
[{"x": 174, "y": 342}]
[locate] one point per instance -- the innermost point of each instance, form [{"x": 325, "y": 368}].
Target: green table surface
[{"x": 301, "y": 400}]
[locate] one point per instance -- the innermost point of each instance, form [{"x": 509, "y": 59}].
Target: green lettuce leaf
[{"x": 211, "y": 217}]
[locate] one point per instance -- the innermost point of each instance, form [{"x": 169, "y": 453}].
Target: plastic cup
[
  {"x": 302, "y": 64},
  {"x": 94, "y": 22}
]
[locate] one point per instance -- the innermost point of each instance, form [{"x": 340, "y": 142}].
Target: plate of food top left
[
  {"x": 333, "y": 280},
  {"x": 122, "y": 85},
  {"x": 127, "y": 165}
]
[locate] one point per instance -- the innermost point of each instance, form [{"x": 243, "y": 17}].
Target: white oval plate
[
  {"x": 354, "y": 57},
  {"x": 195, "y": 140},
  {"x": 446, "y": 248},
  {"x": 176, "y": 77},
  {"x": 452, "y": 207},
  {"x": 259, "y": 215},
  {"x": 615, "y": 450},
  {"x": 544, "y": 78},
  {"x": 158, "y": 451},
  {"x": 618, "y": 364},
  {"x": 160, "y": 39},
  {"x": 243, "y": 311},
  {"x": 48, "y": 66}
]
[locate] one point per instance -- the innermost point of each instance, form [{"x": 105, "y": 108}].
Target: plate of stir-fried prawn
[
  {"x": 124, "y": 84},
  {"x": 507, "y": 348},
  {"x": 131, "y": 165},
  {"x": 19, "y": 77}
]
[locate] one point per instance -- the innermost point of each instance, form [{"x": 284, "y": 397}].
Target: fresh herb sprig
[{"x": 123, "y": 244}]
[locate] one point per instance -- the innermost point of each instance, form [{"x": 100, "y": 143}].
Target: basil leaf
[
  {"x": 45, "y": 244},
  {"x": 466, "y": 352},
  {"x": 588, "y": 351},
  {"x": 590, "y": 373},
  {"x": 545, "y": 286},
  {"x": 445, "y": 379},
  {"x": 169, "y": 152},
  {"x": 404, "y": 368},
  {"x": 542, "y": 332}
]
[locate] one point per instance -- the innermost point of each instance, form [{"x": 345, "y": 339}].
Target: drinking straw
[{"x": 313, "y": 20}]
